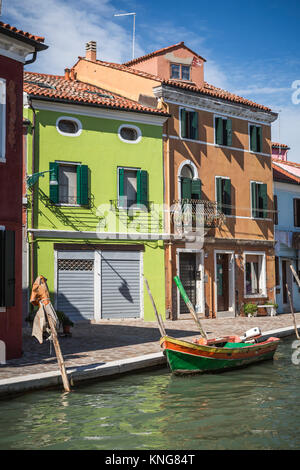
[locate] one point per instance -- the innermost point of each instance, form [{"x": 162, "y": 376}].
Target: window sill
[
  {"x": 255, "y": 296},
  {"x": 61, "y": 204}
]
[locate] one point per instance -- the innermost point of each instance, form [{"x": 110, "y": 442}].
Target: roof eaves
[
  {"x": 161, "y": 51},
  {"x": 286, "y": 173},
  {"x": 35, "y": 41},
  {"x": 97, "y": 105}
]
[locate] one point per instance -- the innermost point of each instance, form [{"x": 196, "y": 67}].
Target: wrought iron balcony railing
[{"x": 193, "y": 212}]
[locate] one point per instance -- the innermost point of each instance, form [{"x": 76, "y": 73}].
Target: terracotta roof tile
[
  {"x": 211, "y": 90},
  {"x": 277, "y": 145},
  {"x": 207, "y": 89},
  {"x": 280, "y": 173},
  {"x": 161, "y": 51},
  {"x": 24, "y": 34},
  {"x": 56, "y": 87}
]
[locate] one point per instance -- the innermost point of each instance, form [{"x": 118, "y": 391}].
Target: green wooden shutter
[
  {"x": 219, "y": 130},
  {"x": 186, "y": 188},
  {"x": 142, "y": 187},
  {"x": 254, "y": 198},
  {"x": 227, "y": 196},
  {"x": 9, "y": 271},
  {"x": 259, "y": 138},
  {"x": 121, "y": 194},
  {"x": 53, "y": 188},
  {"x": 82, "y": 185},
  {"x": 183, "y": 123},
  {"x": 229, "y": 132},
  {"x": 219, "y": 193},
  {"x": 194, "y": 126},
  {"x": 196, "y": 189},
  {"x": 253, "y": 139},
  {"x": 263, "y": 196}
]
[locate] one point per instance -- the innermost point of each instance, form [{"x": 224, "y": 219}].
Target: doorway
[
  {"x": 224, "y": 284},
  {"x": 191, "y": 274}
]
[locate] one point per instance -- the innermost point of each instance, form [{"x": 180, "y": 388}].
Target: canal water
[{"x": 253, "y": 408}]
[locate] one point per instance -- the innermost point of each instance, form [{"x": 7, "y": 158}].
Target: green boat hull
[{"x": 182, "y": 363}]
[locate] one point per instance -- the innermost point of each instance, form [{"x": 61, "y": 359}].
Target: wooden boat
[
  {"x": 215, "y": 355},
  {"x": 212, "y": 355}
]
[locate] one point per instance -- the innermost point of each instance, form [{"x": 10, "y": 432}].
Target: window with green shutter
[
  {"x": 223, "y": 131},
  {"x": 223, "y": 192},
  {"x": 132, "y": 188},
  {"x": 189, "y": 124},
  {"x": 259, "y": 200},
  {"x": 255, "y": 138},
  {"x": 68, "y": 184}
]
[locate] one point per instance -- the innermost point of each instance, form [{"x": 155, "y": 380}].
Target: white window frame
[
  {"x": 249, "y": 138},
  {"x": 191, "y": 110},
  {"x": 69, "y": 118},
  {"x": 225, "y": 118},
  {"x": 251, "y": 209},
  {"x": 3, "y": 120},
  {"x": 262, "y": 274},
  {"x": 65, "y": 204},
  {"x": 118, "y": 195},
  {"x": 130, "y": 126},
  {"x": 180, "y": 71}
]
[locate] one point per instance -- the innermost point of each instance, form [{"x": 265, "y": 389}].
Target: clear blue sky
[{"x": 252, "y": 48}]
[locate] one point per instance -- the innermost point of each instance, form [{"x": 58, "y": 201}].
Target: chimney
[
  {"x": 91, "y": 50},
  {"x": 67, "y": 74}
]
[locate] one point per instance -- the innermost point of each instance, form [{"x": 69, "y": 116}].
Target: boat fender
[
  {"x": 252, "y": 333},
  {"x": 201, "y": 341}
]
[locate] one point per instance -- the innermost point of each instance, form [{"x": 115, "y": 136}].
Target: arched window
[
  {"x": 186, "y": 172},
  {"x": 190, "y": 187}
]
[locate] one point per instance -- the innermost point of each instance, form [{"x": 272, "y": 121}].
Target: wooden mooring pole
[
  {"x": 58, "y": 353},
  {"x": 291, "y": 301},
  {"x": 158, "y": 316}
]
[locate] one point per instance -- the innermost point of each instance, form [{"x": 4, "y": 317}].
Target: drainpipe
[
  {"x": 33, "y": 59},
  {"x": 33, "y": 191}
]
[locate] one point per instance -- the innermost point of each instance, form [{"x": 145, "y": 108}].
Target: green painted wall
[{"x": 100, "y": 148}]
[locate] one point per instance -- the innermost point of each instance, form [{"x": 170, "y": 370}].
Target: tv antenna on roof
[{"x": 133, "y": 33}]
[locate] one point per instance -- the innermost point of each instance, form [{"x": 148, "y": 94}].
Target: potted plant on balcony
[{"x": 65, "y": 322}]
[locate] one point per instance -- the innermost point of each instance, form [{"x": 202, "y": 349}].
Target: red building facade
[{"x": 15, "y": 45}]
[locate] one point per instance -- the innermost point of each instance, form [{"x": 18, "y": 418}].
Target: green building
[{"x": 95, "y": 193}]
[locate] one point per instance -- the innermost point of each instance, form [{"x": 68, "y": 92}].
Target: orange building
[{"x": 218, "y": 178}]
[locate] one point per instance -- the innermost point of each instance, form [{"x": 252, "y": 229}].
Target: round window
[
  {"x": 129, "y": 133},
  {"x": 67, "y": 126}
]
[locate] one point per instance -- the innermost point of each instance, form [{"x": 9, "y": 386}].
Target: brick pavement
[{"x": 97, "y": 343}]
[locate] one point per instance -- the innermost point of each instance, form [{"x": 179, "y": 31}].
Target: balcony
[{"x": 193, "y": 214}]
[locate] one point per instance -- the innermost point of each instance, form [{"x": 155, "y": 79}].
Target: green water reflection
[{"x": 253, "y": 408}]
